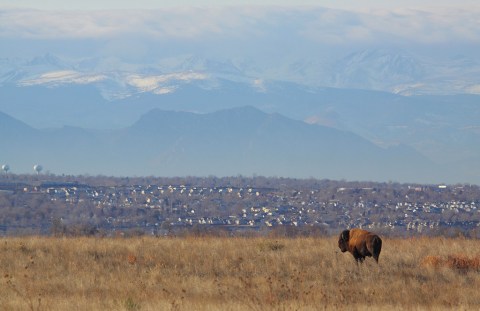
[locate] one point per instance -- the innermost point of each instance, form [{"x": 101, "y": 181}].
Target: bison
[{"x": 360, "y": 243}]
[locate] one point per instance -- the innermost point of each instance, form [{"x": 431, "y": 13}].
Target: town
[{"x": 239, "y": 205}]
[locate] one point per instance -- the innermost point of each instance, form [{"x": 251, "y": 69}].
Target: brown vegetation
[
  {"x": 456, "y": 261},
  {"x": 233, "y": 274}
]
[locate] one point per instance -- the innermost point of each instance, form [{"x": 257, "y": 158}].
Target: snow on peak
[
  {"x": 63, "y": 77},
  {"x": 159, "y": 84}
]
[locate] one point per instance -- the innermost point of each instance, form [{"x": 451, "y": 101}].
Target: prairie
[{"x": 211, "y": 273}]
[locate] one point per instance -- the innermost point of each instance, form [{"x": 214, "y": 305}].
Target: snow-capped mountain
[
  {"x": 381, "y": 70},
  {"x": 116, "y": 79},
  {"x": 378, "y": 70},
  {"x": 17, "y": 70},
  {"x": 367, "y": 97}
]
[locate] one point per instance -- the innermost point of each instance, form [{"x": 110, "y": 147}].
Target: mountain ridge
[
  {"x": 110, "y": 94},
  {"x": 229, "y": 142},
  {"x": 380, "y": 69},
  {"x": 442, "y": 128}
]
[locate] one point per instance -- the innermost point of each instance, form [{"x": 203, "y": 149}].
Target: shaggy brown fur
[{"x": 360, "y": 243}]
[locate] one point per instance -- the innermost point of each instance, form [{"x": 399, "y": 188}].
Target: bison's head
[{"x": 343, "y": 240}]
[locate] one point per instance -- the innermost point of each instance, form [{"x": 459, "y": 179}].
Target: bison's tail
[{"x": 377, "y": 247}]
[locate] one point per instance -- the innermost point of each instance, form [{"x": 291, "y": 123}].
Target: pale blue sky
[{"x": 151, "y": 4}]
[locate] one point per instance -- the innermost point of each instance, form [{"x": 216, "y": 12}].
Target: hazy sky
[
  {"x": 151, "y": 4},
  {"x": 275, "y": 27}
]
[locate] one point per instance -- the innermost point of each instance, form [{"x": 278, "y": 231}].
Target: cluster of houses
[{"x": 240, "y": 208}]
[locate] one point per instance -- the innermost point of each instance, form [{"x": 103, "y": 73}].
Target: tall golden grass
[{"x": 206, "y": 273}]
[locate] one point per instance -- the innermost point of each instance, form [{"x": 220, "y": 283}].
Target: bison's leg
[
  {"x": 377, "y": 247},
  {"x": 358, "y": 256}
]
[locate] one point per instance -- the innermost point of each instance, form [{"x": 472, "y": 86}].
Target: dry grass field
[{"x": 39, "y": 273}]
